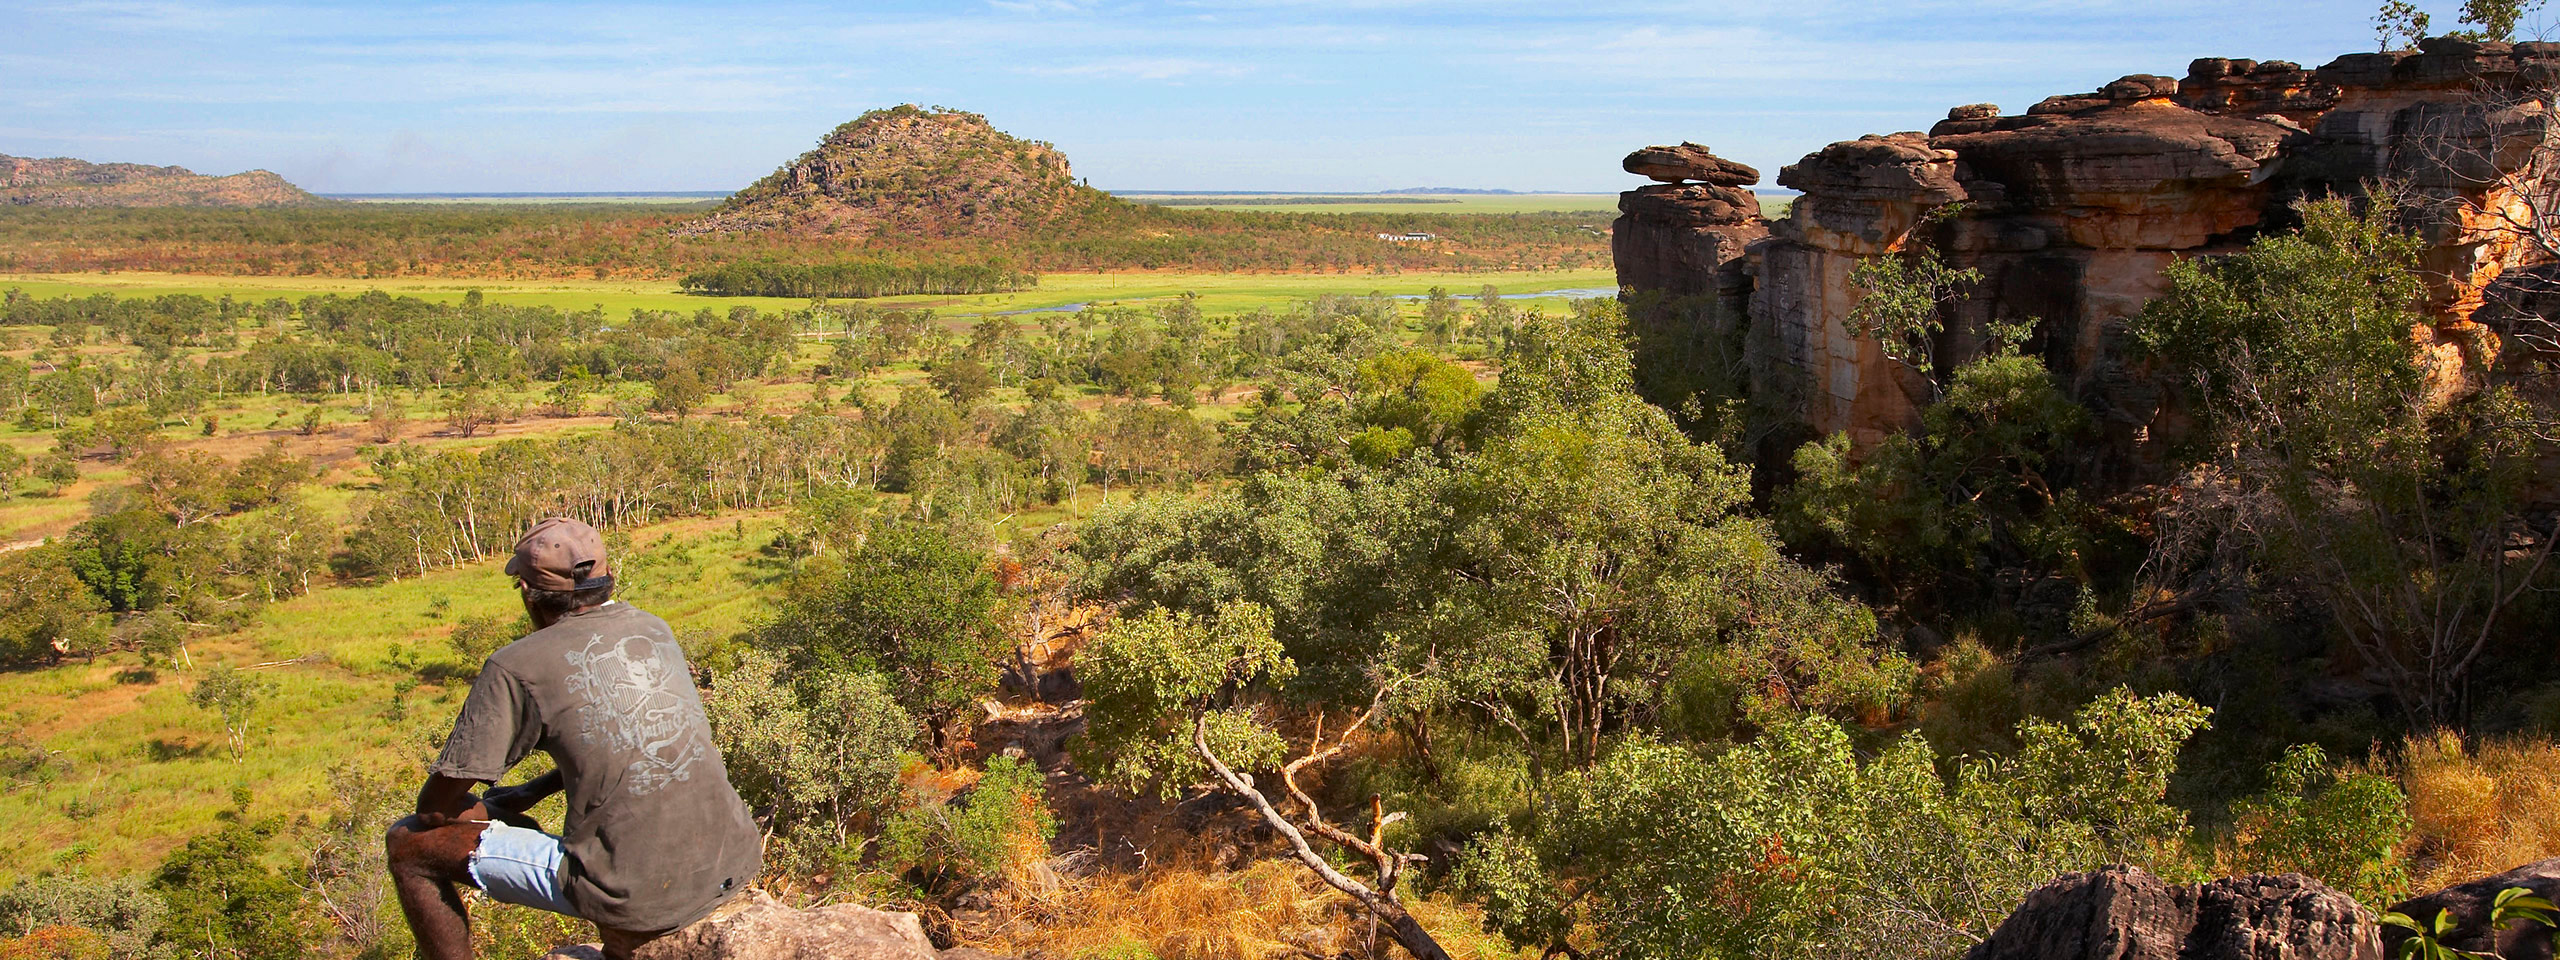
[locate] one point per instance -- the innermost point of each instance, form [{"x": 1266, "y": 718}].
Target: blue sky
[{"x": 1206, "y": 94}]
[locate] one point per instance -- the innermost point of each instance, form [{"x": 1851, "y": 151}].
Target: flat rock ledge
[{"x": 758, "y": 927}]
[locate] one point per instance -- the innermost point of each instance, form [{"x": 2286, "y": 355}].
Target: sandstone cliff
[
  {"x": 909, "y": 171},
  {"x": 65, "y": 182},
  {"x": 2071, "y": 210}
]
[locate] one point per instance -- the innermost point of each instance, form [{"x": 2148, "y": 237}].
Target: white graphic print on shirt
[{"x": 635, "y": 705}]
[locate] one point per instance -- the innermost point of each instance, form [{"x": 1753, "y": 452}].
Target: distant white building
[{"x": 1415, "y": 237}]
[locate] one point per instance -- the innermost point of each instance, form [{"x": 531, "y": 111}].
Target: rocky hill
[
  {"x": 65, "y": 182},
  {"x": 909, "y": 171},
  {"x": 2072, "y": 210}
]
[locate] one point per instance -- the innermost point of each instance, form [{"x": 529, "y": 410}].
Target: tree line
[{"x": 774, "y": 278}]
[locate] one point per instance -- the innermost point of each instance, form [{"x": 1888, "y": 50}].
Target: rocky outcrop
[
  {"x": 1689, "y": 161},
  {"x": 1683, "y": 244},
  {"x": 65, "y": 182},
  {"x": 758, "y": 927},
  {"x": 2470, "y": 904},
  {"x": 2072, "y": 209},
  {"x": 2125, "y": 913},
  {"x": 909, "y": 171}
]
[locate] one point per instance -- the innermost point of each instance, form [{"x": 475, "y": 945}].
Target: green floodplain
[{"x": 1219, "y": 293}]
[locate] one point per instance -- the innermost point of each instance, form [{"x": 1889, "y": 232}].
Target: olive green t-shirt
[{"x": 656, "y": 837}]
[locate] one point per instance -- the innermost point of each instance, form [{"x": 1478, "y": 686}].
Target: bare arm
[
  {"x": 522, "y": 796},
  {"x": 448, "y": 799}
]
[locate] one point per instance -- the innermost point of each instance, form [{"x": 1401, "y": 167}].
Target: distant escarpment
[
  {"x": 65, "y": 182},
  {"x": 2071, "y": 211},
  {"x": 909, "y": 171}
]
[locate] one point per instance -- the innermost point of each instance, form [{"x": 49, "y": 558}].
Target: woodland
[{"x": 1340, "y": 625}]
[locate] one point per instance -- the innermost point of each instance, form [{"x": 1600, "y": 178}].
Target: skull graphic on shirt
[{"x": 638, "y": 700}]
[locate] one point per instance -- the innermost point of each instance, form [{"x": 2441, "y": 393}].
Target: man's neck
[{"x": 539, "y": 623}]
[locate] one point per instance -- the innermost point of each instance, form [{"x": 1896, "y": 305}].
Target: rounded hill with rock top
[{"x": 913, "y": 171}]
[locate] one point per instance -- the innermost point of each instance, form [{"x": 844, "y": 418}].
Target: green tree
[
  {"x": 13, "y": 465},
  {"x": 962, "y": 378},
  {"x": 1174, "y": 697},
  {"x": 1981, "y": 478},
  {"x": 1600, "y": 547},
  {"x": 1902, "y": 299},
  {"x": 911, "y": 602},
  {"x": 45, "y": 609},
  {"x": 2340, "y": 466},
  {"x": 124, "y": 915},
  {"x": 2490, "y": 19},
  {"x": 813, "y": 755},
  {"x": 2399, "y": 24},
  {"x": 1442, "y": 322},
  {"x": 1792, "y": 845},
  {"x": 57, "y": 470},
  {"x": 2344, "y": 828},
  {"x": 1003, "y": 820},
  {"x": 234, "y": 696},
  {"x": 678, "y": 390},
  {"x": 225, "y": 903},
  {"x": 469, "y": 409}
]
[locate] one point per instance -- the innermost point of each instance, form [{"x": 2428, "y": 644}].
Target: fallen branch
[{"x": 1382, "y": 903}]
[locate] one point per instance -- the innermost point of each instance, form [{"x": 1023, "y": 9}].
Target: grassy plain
[
  {"x": 1492, "y": 203},
  {"x": 363, "y": 677},
  {"x": 136, "y": 769},
  {"x": 1219, "y": 292}
]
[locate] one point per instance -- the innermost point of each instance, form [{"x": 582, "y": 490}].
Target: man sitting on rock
[{"x": 655, "y": 836}]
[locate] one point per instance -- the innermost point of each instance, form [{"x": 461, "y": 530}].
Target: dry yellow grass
[
  {"x": 1270, "y": 909},
  {"x": 2481, "y": 810}
]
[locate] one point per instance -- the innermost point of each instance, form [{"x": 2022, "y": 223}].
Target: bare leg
[{"x": 427, "y": 863}]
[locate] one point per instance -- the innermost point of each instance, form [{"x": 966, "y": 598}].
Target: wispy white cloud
[
  {"x": 1140, "y": 68},
  {"x": 1306, "y": 94}
]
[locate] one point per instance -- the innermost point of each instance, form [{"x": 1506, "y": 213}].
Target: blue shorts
[{"x": 522, "y": 867}]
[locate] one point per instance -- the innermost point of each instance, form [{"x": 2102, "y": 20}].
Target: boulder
[
  {"x": 2139, "y": 86},
  {"x": 758, "y": 927},
  {"x": 1689, "y": 161},
  {"x": 2125, "y": 913},
  {"x": 2470, "y": 903}
]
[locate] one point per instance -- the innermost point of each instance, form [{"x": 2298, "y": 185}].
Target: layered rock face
[
  {"x": 1692, "y": 231},
  {"x": 2072, "y": 209}
]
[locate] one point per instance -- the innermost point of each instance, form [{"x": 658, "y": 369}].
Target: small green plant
[
  {"x": 2513, "y": 906},
  {"x": 234, "y": 694}
]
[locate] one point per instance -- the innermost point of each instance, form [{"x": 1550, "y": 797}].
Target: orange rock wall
[{"x": 2074, "y": 208}]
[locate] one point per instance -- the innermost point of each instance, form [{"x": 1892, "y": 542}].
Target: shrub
[
  {"x": 475, "y": 638},
  {"x": 2344, "y": 828},
  {"x": 980, "y": 837},
  {"x": 61, "y": 915},
  {"x": 1791, "y": 845},
  {"x": 811, "y": 757},
  {"x": 225, "y": 903}
]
